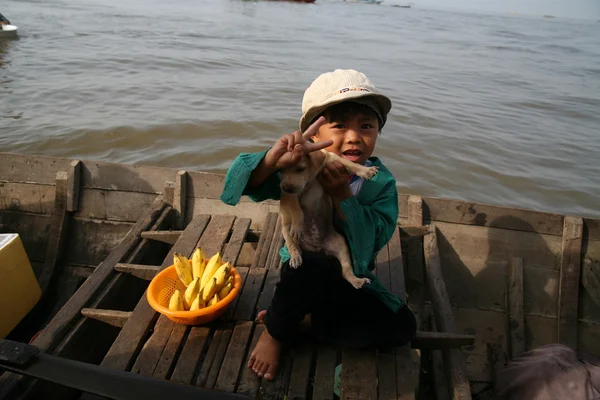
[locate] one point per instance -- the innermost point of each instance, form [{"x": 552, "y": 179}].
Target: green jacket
[{"x": 371, "y": 217}]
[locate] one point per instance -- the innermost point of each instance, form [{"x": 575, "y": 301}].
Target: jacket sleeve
[
  {"x": 238, "y": 176},
  {"x": 369, "y": 227}
]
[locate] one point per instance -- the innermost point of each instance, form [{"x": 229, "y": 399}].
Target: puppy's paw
[
  {"x": 295, "y": 259},
  {"x": 359, "y": 282},
  {"x": 367, "y": 172}
]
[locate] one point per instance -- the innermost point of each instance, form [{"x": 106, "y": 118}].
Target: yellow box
[{"x": 19, "y": 290}]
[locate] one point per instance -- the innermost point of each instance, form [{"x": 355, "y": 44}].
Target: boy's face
[{"x": 353, "y": 128}]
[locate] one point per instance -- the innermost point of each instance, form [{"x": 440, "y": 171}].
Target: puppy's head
[{"x": 295, "y": 178}]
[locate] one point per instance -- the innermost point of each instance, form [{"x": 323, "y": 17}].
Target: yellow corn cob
[
  {"x": 197, "y": 303},
  {"x": 176, "y": 301},
  {"x": 209, "y": 290},
  {"x": 210, "y": 268},
  {"x": 183, "y": 268},
  {"x": 191, "y": 293},
  {"x": 198, "y": 263}
]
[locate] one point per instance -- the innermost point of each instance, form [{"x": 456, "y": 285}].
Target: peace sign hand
[{"x": 290, "y": 148}]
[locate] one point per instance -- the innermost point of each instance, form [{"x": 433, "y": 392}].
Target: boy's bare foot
[{"x": 265, "y": 356}]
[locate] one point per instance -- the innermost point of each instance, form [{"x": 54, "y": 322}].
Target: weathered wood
[
  {"x": 386, "y": 376},
  {"x": 590, "y": 279},
  {"x": 382, "y": 267},
  {"x": 415, "y": 259},
  {"x": 234, "y": 357},
  {"x": 73, "y": 185},
  {"x": 359, "y": 375},
  {"x": 63, "y": 320},
  {"x": 112, "y": 205},
  {"x": 462, "y": 212},
  {"x": 27, "y": 197},
  {"x": 111, "y": 317},
  {"x": 58, "y": 233},
  {"x": 444, "y": 316},
  {"x": 190, "y": 355},
  {"x": 215, "y": 354},
  {"x": 257, "y": 212},
  {"x": 169, "y": 192},
  {"x": 249, "y": 381},
  {"x": 146, "y": 272},
  {"x": 516, "y": 319},
  {"x": 592, "y": 228},
  {"x": 180, "y": 198},
  {"x": 236, "y": 241},
  {"x": 438, "y": 370},
  {"x": 440, "y": 340},
  {"x": 408, "y": 363},
  {"x": 169, "y": 356},
  {"x": 31, "y": 169},
  {"x": 229, "y": 313},
  {"x": 569, "y": 281},
  {"x": 277, "y": 242},
  {"x": 410, "y": 232},
  {"x": 248, "y": 298},
  {"x": 148, "y": 358},
  {"x": 266, "y": 295},
  {"x": 264, "y": 244},
  {"x": 325, "y": 372},
  {"x": 130, "y": 339},
  {"x": 396, "y": 263},
  {"x": 298, "y": 387},
  {"x": 169, "y": 237}
]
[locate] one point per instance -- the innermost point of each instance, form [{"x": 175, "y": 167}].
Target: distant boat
[
  {"x": 8, "y": 31},
  {"x": 365, "y": 1},
  {"x": 409, "y": 5},
  {"x": 549, "y": 16},
  {"x": 297, "y": 1}
]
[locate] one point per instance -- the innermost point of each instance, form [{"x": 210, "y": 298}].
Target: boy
[{"x": 343, "y": 113}]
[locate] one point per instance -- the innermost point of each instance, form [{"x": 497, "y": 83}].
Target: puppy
[{"x": 307, "y": 212}]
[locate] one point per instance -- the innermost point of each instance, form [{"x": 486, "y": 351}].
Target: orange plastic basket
[{"x": 164, "y": 285}]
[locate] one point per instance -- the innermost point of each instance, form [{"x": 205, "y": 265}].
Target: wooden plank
[
  {"x": 415, "y": 266},
  {"x": 386, "y": 374},
  {"x": 249, "y": 381},
  {"x": 234, "y": 357},
  {"x": 590, "y": 279},
  {"x": 180, "y": 198},
  {"x": 169, "y": 237},
  {"x": 190, "y": 355},
  {"x": 257, "y": 212},
  {"x": 215, "y": 355},
  {"x": 27, "y": 197},
  {"x": 396, "y": 265},
  {"x": 298, "y": 387},
  {"x": 131, "y": 178},
  {"x": 148, "y": 358},
  {"x": 73, "y": 181},
  {"x": 438, "y": 370},
  {"x": 359, "y": 375},
  {"x": 569, "y": 281},
  {"x": 461, "y": 212},
  {"x": 65, "y": 317},
  {"x": 169, "y": 192},
  {"x": 408, "y": 363},
  {"x": 264, "y": 243},
  {"x": 382, "y": 267},
  {"x": 229, "y": 313},
  {"x": 130, "y": 340},
  {"x": 111, "y": 317},
  {"x": 591, "y": 229},
  {"x": 444, "y": 316},
  {"x": 58, "y": 233},
  {"x": 248, "y": 298},
  {"x": 170, "y": 354},
  {"x": 33, "y": 169},
  {"x": 441, "y": 340},
  {"x": 516, "y": 319},
  {"x": 325, "y": 372},
  {"x": 146, "y": 272},
  {"x": 236, "y": 241},
  {"x": 266, "y": 295},
  {"x": 411, "y": 232},
  {"x": 113, "y": 205}
]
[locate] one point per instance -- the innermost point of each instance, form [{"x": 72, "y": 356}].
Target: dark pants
[{"x": 340, "y": 313}]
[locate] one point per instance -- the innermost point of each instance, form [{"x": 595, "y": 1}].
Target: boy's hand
[
  {"x": 290, "y": 148},
  {"x": 335, "y": 180}
]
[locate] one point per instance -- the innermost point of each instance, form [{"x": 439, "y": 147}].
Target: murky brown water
[{"x": 488, "y": 108}]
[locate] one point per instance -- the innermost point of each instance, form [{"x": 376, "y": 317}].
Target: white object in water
[{"x": 8, "y": 31}]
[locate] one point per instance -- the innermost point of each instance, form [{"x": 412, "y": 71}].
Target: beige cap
[{"x": 338, "y": 86}]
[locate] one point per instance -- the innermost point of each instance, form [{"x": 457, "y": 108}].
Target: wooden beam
[
  {"x": 516, "y": 319},
  {"x": 415, "y": 260},
  {"x": 111, "y": 317},
  {"x": 590, "y": 279},
  {"x": 73, "y": 179},
  {"x": 444, "y": 316},
  {"x": 570, "y": 271},
  {"x": 169, "y": 192},
  {"x": 142, "y": 271},
  {"x": 438, "y": 369},
  {"x": 179, "y": 200},
  {"x": 169, "y": 237},
  {"x": 410, "y": 232},
  {"x": 441, "y": 340}
]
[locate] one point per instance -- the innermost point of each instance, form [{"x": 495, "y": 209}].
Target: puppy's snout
[{"x": 289, "y": 188}]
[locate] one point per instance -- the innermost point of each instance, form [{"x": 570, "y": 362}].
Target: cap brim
[{"x": 379, "y": 103}]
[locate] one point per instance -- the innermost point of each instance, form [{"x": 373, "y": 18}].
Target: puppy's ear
[{"x": 317, "y": 158}]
